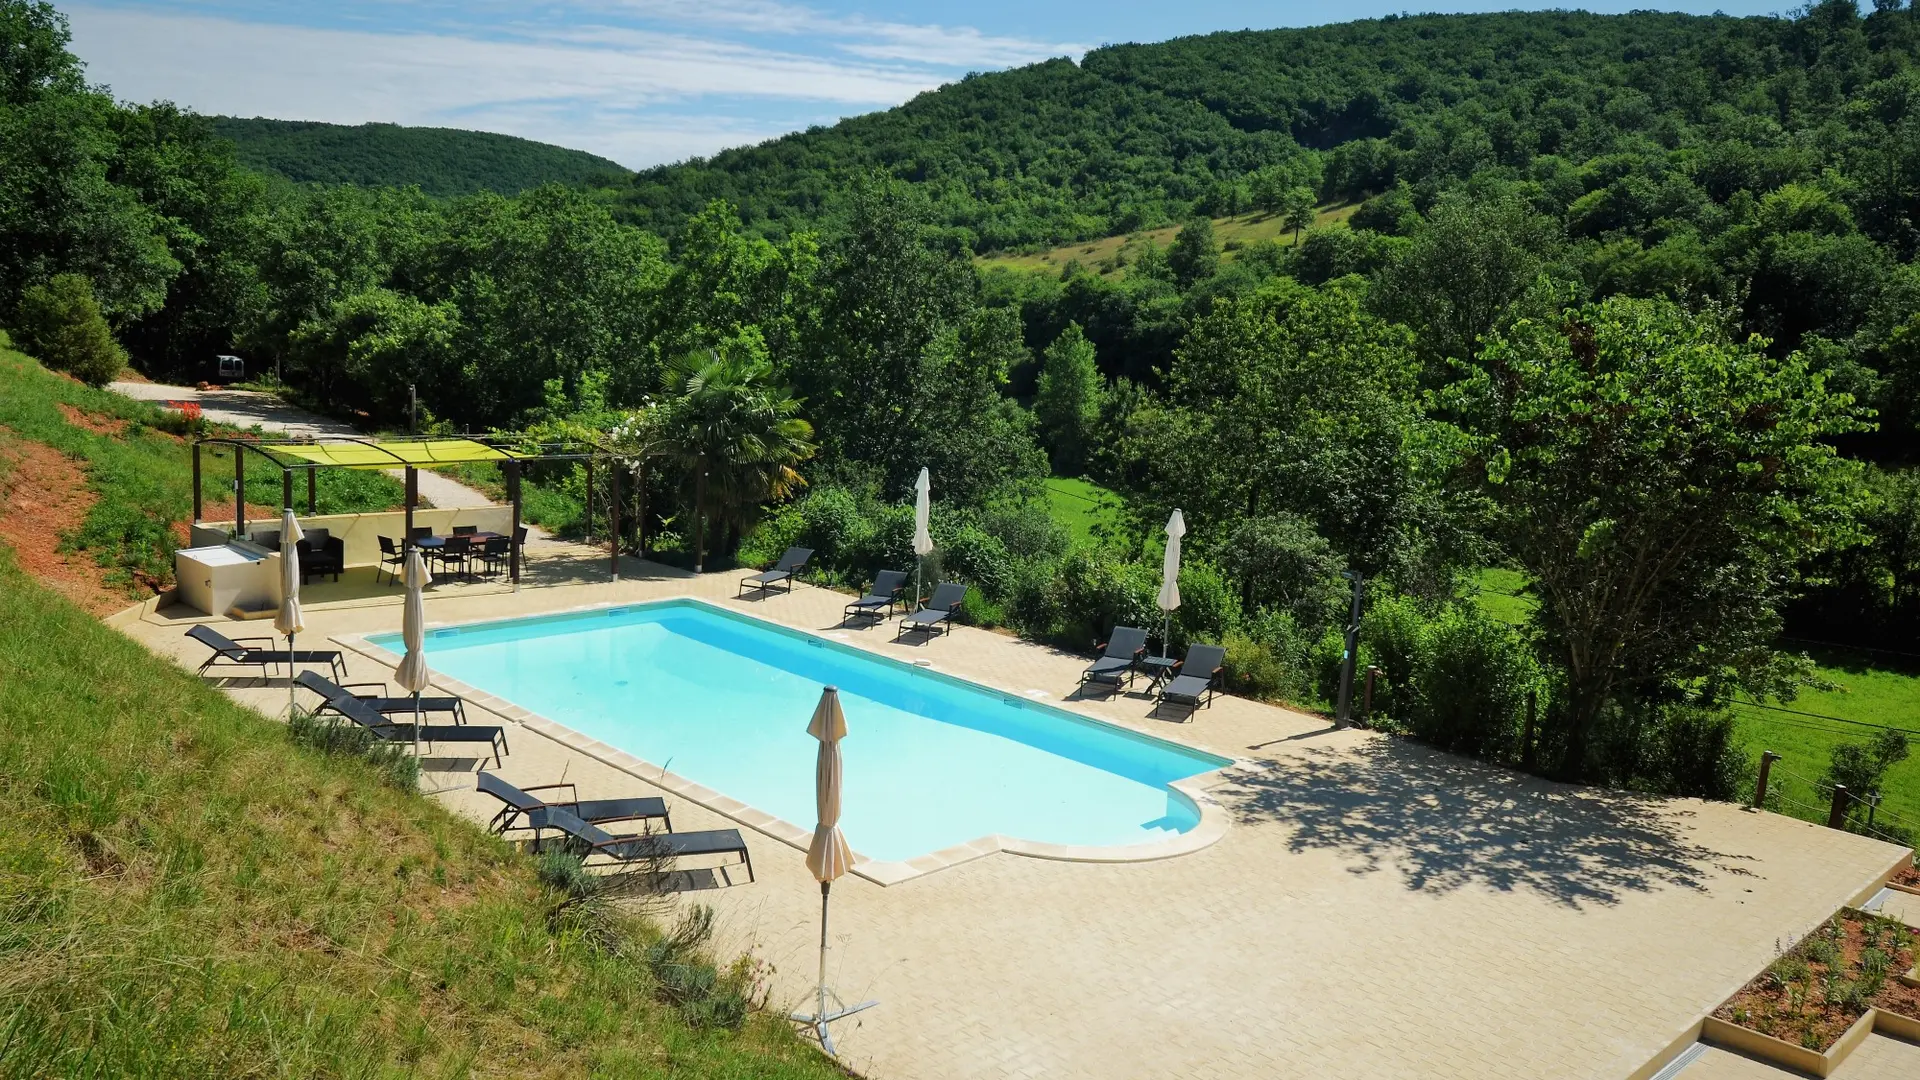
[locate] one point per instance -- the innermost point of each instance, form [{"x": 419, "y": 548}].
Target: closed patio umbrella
[
  {"x": 922, "y": 538},
  {"x": 828, "y": 856},
  {"x": 289, "y": 620},
  {"x": 412, "y": 674},
  {"x": 1169, "y": 597}
]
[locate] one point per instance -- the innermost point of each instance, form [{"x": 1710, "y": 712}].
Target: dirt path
[
  {"x": 43, "y": 494},
  {"x": 243, "y": 408}
]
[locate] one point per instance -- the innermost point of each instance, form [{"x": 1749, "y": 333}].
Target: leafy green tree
[
  {"x": 1860, "y": 767},
  {"x": 1662, "y": 485},
  {"x": 736, "y": 432},
  {"x": 1462, "y": 273},
  {"x": 1298, "y": 209},
  {"x": 1282, "y": 564},
  {"x": 1067, "y": 404},
  {"x": 1193, "y": 255},
  {"x": 60, "y": 323}
]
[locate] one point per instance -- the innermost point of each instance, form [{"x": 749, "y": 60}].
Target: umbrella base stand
[{"x": 827, "y": 1016}]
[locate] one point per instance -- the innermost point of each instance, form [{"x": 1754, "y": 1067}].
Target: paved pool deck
[{"x": 1375, "y": 908}]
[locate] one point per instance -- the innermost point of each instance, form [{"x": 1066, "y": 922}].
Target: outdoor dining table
[{"x": 435, "y": 543}]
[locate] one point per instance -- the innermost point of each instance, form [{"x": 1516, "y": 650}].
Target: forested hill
[
  {"x": 1139, "y": 135},
  {"x": 442, "y": 161}
]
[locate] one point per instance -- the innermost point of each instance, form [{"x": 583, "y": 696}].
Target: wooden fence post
[
  {"x": 1767, "y": 758},
  {"x": 1837, "y": 817}
]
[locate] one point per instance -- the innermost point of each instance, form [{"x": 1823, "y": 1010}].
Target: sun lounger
[
  {"x": 519, "y": 802},
  {"x": 242, "y": 653},
  {"x": 883, "y": 596},
  {"x": 385, "y": 703},
  {"x": 590, "y": 840},
  {"x": 939, "y": 611},
  {"x": 794, "y": 561},
  {"x": 1195, "y": 678},
  {"x": 337, "y": 699},
  {"x": 1119, "y": 658}
]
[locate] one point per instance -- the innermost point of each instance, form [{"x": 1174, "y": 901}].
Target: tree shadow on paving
[{"x": 1445, "y": 822}]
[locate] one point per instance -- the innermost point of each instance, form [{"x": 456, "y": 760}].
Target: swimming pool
[{"x": 723, "y": 700}]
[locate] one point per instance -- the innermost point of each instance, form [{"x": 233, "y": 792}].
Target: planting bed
[{"x": 1812, "y": 995}]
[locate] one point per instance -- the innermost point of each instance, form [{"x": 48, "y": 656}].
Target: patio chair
[
  {"x": 794, "y": 561},
  {"x": 269, "y": 539},
  {"x": 321, "y": 552},
  {"x": 465, "y": 530},
  {"x": 939, "y": 611},
  {"x": 1194, "y": 679},
  {"x": 520, "y": 801},
  {"x": 884, "y": 595},
  {"x": 337, "y": 699},
  {"x": 1119, "y": 658},
  {"x": 454, "y": 553},
  {"x": 392, "y": 560},
  {"x": 242, "y": 653},
  {"x": 590, "y": 840},
  {"x": 494, "y": 555},
  {"x": 423, "y": 532}
]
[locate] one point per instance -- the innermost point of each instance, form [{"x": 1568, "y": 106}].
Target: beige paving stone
[{"x": 1374, "y": 909}]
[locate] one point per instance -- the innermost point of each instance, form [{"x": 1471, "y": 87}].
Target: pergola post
[
  {"x": 239, "y": 491},
  {"x": 640, "y": 511},
  {"x": 413, "y": 494},
  {"x": 310, "y": 498},
  {"x": 196, "y": 482},
  {"x": 286, "y": 489},
  {"x": 589, "y": 507},
  {"x": 613, "y": 511},
  {"x": 513, "y": 530}
]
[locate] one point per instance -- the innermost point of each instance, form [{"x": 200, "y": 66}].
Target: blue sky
[{"x": 639, "y": 81}]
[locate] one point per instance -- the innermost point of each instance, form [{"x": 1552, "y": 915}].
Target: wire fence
[{"x": 1863, "y": 814}]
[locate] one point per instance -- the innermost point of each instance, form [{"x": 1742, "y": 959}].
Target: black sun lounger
[
  {"x": 883, "y": 596},
  {"x": 1119, "y": 658},
  {"x": 590, "y": 840},
  {"x": 243, "y": 653},
  {"x": 337, "y": 699},
  {"x": 939, "y": 611},
  {"x": 794, "y": 561},
  {"x": 521, "y": 801},
  {"x": 387, "y": 705},
  {"x": 1195, "y": 678}
]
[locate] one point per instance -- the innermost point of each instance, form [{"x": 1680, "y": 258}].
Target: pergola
[{"x": 409, "y": 453}]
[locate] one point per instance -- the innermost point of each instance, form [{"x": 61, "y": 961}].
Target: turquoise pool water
[{"x": 724, "y": 700}]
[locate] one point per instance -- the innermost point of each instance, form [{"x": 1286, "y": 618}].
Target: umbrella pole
[
  {"x": 825, "y": 1039},
  {"x": 416, "y": 725},
  {"x": 289, "y": 678}
]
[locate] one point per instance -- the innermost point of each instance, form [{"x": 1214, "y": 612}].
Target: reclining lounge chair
[
  {"x": 240, "y": 653},
  {"x": 794, "y": 561},
  {"x": 337, "y": 699},
  {"x": 883, "y": 596},
  {"x": 520, "y": 802},
  {"x": 1194, "y": 679},
  {"x": 939, "y": 611},
  {"x": 1119, "y": 658},
  {"x": 589, "y": 840}
]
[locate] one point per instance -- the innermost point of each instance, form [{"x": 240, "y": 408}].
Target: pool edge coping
[{"x": 1212, "y": 826}]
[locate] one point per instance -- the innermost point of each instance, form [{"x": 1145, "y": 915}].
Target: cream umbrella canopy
[
  {"x": 289, "y": 620},
  {"x": 412, "y": 674},
  {"x": 828, "y": 857},
  {"x": 1169, "y": 597},
  {"x": 922, "y": 537}
]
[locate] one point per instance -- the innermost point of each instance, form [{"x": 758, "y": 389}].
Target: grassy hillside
[
  {"x": 442, "y": 161},
  {"x": 1109, "y": 256},
  {"x": 187, "y": 892},
  {"x": 137, "y": 477}
]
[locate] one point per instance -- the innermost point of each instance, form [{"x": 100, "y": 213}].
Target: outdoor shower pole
[
  {"x": 413, "y": 492},
  {"x": 1348, "y": 658},
  {"x": 239, "y": 491},
  {"x": 513, "y": 530},
  {"x": 613, "y": 511}
]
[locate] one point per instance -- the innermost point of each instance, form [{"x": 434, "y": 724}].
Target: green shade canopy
[{"x": 386, "y": 455}]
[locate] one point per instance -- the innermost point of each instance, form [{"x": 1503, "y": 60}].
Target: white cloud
[{"x": 591, "y": 89}]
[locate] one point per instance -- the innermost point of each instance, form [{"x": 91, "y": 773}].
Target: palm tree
[{"x": 738, "y": 433}]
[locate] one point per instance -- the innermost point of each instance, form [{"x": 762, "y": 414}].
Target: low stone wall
[{"x": 360, "y": 533}]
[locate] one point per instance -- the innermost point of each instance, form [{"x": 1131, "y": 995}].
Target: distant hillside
[
  {"x": 1135, "y": 137},
  {"x": 442, "y": 161}
]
